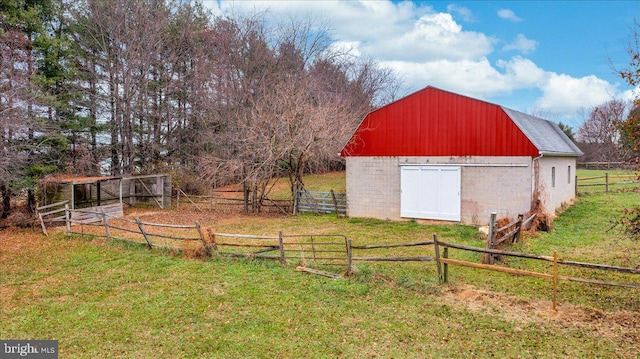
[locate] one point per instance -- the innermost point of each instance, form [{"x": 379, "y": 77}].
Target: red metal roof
[{"x": 433, "y": 122}]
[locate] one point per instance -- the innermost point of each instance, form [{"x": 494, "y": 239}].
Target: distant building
[{"x": 443, "y": 156}]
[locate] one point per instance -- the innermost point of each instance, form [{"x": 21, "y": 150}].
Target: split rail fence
[
  {"x": 514, "y": 230},
  {"x": 236, "y": 198},
  {"x": 442, "y": 262},
  {"x": 326, "y": 251},
  {"x": 305, "y": 201},
  {"x": 607, "y": 183}
]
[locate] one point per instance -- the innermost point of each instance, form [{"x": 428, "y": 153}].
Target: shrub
[{"x": 629, "y": 222}]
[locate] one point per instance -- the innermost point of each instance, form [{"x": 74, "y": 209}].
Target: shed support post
[{"x": 67, "y": 218}]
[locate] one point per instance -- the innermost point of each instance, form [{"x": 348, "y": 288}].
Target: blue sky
[{"x": 550, "y": 58}]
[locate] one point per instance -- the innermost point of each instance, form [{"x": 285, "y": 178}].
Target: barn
[{"x": 438, "y": 155}]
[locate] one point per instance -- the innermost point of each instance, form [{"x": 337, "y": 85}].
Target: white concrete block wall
[
  {"x": 500, "y": 184},
  {"x": 373, "y": 187},
  {"x": 563, "y": 190}
]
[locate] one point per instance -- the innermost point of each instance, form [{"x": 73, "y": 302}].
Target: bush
[{"x": 629, "y": 222}]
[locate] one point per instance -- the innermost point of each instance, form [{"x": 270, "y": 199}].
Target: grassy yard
[
  {"x": 590, "y": 181},
  {"x": 110, "y": 299}
]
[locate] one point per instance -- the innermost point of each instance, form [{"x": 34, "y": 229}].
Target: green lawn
[
  {"x": 590, "y": 181},
  {"x": 109, "y": 299}
]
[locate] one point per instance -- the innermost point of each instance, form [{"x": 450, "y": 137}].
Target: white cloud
[
  {"x": 509, "y": 15},
  {"x": 522, "y": 73},
  {"x": 472, "y": 78},
  {"x": 476, "y": 78},
  {"x": 426, "y": 47},
  {"x": 522, "y": 44},
  {"x": 433, "y": 36},
  {"x": 465, "y": 13},
  {"x": 565, "y": 94}
]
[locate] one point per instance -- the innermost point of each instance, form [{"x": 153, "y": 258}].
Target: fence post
[
  {"x": 296, "y": 198},
  {"x": 44, "y": 227},
  {"x": 606, "y": 182},
  {"x": 144, "y": 233},
  {"x": 105, "y": 222},
  {"x": 283, "y": 260},
  {"x": 490, "y": 236},
  {"x": 204, "y": 242},
  {"x": 516, "y": 235},
  {"x": 555, "y": 281},
  {"x": 445, "y": 254},
  {"x": 335, "y": 202},
  {"x": 212, "y": 238},
  {"x": 67, "y": 218},
  {"x": 349, "y": 258},
  {"x": 437, "y": 250}
]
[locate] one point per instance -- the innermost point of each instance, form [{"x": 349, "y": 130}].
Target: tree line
[
  {"x": 609, "y": 133},
  {"x": 95, "y": 87},
  {"x": 92, "y": 87}
]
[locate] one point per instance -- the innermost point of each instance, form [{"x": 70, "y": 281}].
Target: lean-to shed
[
  {"x": 443, "y": 156},
  {"x": 90, "y": 192}
]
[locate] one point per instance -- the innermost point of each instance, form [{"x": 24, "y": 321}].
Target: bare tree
[
  {"x": 291, "y": 106},
  {"x": 601, "y": 131}
]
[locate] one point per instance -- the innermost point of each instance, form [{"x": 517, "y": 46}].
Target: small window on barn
[
  {"x": 569, "y": 174},
  {"x": 553, "y": 176}
]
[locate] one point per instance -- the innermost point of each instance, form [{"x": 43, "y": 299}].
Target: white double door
[{"x": 430, "y": 192}]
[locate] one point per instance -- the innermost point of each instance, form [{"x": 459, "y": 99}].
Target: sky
[{"x": 554, "y": 59}]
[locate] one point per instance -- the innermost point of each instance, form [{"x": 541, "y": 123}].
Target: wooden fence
[
  {"x": 133, "y": 231},
  {"x": 510, "y": 232},
  {"x": 607, "y": 183},
  {"x": 321, "y": 202},
  {"x": 228, "y": 198},
  {"x": 443, "y": 260},
  {"x": 59, "y": 213},
  {"x": 607, "y": 165},
  {"x": 323, "y": 250}
]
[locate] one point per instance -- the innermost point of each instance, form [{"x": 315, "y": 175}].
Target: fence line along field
[
  {"x": 103, "y": 298},
  {"x": 605, "y": 181}
]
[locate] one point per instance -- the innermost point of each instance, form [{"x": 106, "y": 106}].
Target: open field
[
  {"x": 590, "y": 181},
  {"x": 110, "y": 299}
]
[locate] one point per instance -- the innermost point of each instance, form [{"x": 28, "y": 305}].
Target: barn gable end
[
  {"x": 439, "y": 155},
  {"x": 433, "y": 122}
]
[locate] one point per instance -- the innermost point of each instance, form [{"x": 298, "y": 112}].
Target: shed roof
[
  {"x": 545, "y": 135},
  {"x": 434, "y": 122},
  {"x": 66, "y": 179}
]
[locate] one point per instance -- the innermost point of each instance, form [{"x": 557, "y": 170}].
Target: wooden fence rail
[
  {"x": 114, "y": 226},
  {"x": 608, "y": 181},
  {"x": 442, "y": 262},
  {"x": 514, "y": 230},
  {"x": 321, "y": 202},
  {"x": 606, "y": 165},
  {"x": 222, "y": 198},
  {"x": 393, "y": 258},
  {"x": 333, "y": 250}
]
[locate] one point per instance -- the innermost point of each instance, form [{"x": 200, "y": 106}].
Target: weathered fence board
[
  {"x": 94, "y": 214},
  {"x": 321, "y": 202}
]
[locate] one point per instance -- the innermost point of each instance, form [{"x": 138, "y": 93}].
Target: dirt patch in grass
[
  {"x": 618, "y": 325},
  {"x": 190, "y": 216}
]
